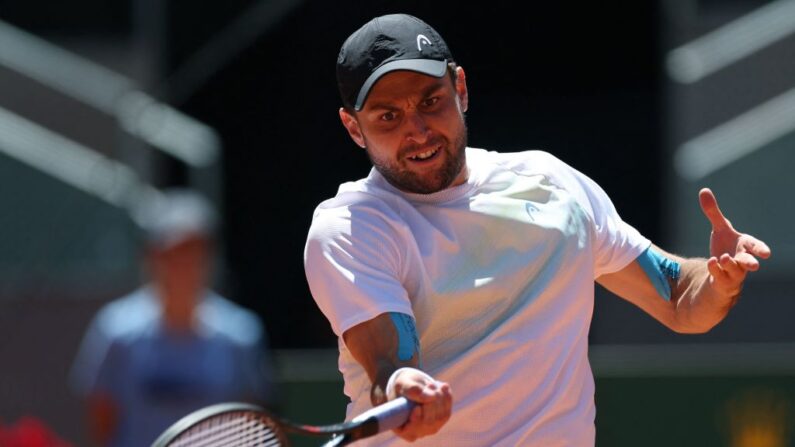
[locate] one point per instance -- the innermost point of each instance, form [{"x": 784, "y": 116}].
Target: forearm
[
  {"x": 691, "y": 295},
  {"x": 385, "y": 344},
  {"x": 380, "y": 378},
  {"x": 377, "y": 346},
  {"x": 698, "y": 305}
]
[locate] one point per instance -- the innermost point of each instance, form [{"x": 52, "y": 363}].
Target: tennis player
[{"x": 457, "y": 271}]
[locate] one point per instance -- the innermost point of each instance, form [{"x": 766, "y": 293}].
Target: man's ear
[
  {"x": 352, "y": 126},
  {"x": 461, "y": 88}
]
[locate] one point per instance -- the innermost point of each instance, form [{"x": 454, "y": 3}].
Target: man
[
  {"x": 453, "y": 271},
  {"x": 172, "y": 346}
]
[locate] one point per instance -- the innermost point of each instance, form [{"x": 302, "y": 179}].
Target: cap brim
[{"x": 429, "y": 67}]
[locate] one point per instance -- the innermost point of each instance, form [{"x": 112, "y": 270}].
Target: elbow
[
  {"x": 692, "y": 330},
  {"x": 690, "y": 327}
]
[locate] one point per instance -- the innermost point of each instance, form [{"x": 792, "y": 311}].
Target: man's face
[
  {"x": 181, "y": 270},
  {"x": 412, "y": 127}
]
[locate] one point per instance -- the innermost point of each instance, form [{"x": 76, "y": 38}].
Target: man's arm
[
  {"x": 694, "y": 307},
  {"x": 706, "y": 289},
  {"x": 377, "y": 345}
]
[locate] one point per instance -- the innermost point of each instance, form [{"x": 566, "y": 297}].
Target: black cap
[{"x": 385, "y": 44}]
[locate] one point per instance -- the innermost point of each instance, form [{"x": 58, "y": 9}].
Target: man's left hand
[{"x": 732, "y": 254}]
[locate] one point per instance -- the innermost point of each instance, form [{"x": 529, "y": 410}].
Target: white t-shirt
[{"x": 499, "y": 275}]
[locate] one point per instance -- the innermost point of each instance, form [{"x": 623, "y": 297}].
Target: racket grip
[{"x": 390, "y": 415}]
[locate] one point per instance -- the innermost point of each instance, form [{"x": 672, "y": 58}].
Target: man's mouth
[{"x": 425, "y": 155}]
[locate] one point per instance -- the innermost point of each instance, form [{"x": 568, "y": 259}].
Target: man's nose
[{"x": 416, "y": 127}]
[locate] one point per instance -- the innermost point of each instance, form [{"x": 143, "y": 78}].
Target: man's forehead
[{"x": 403, "y": 84}]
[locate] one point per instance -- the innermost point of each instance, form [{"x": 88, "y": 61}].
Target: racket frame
[
  {"x": 390, "y": 415},
  {"x": 191, "y": 420}
]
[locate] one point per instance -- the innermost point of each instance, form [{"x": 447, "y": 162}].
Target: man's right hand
[
  {"x": 374, "y": 344},
  {"x": 434, "y": 401}
]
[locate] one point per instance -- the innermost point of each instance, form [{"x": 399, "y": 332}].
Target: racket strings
[{"x": 238, "y": 429}]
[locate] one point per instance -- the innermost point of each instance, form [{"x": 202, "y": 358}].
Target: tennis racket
[{"x": 238, "y": 424}]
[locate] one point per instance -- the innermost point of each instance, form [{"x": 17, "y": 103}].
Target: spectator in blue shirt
[{"x": 173, "y": 345}]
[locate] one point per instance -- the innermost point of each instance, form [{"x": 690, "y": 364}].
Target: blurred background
[{"x": 103, "y": 102}]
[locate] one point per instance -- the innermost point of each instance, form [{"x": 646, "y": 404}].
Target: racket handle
[{"x": 390, "y": 415}]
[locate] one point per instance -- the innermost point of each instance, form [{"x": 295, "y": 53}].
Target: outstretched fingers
[
  {"x": 755, "y": 247},
  {"x": 710, "y": 208},
  {"x": 749, "y": 248},
  {"x": 727, "y": 274},
  {"x": 733, "y": 254},
  {"x": 732, "y": 266},
  {"x": 747, "y": 262},
  {"x": 717, "y": 272}
]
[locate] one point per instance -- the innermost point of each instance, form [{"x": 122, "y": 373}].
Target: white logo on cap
[{"x": 422, "y": 40}]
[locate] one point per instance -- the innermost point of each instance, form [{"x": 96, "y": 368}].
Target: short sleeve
[
  {"x": 615, "y": 243},
  {"x": 352, "y": 261},
  {"x": 91, "y": 370}
]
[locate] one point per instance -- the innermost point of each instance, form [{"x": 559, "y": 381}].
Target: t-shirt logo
[{"x": 531, "y": 209}]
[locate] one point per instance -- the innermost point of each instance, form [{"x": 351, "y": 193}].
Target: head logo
[
  {"x": 531, "y": 209},
  {"x": 422, "y": 40}
]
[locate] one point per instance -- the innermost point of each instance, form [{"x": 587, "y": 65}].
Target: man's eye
[
  {"x": 388, "y": 116},
  {"x": 431, "y": 101}
]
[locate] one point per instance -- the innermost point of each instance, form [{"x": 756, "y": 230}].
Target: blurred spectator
[{"x": 172, "y": 346}]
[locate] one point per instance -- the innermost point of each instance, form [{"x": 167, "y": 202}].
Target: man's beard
[{"x": 409, "y": 181}]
